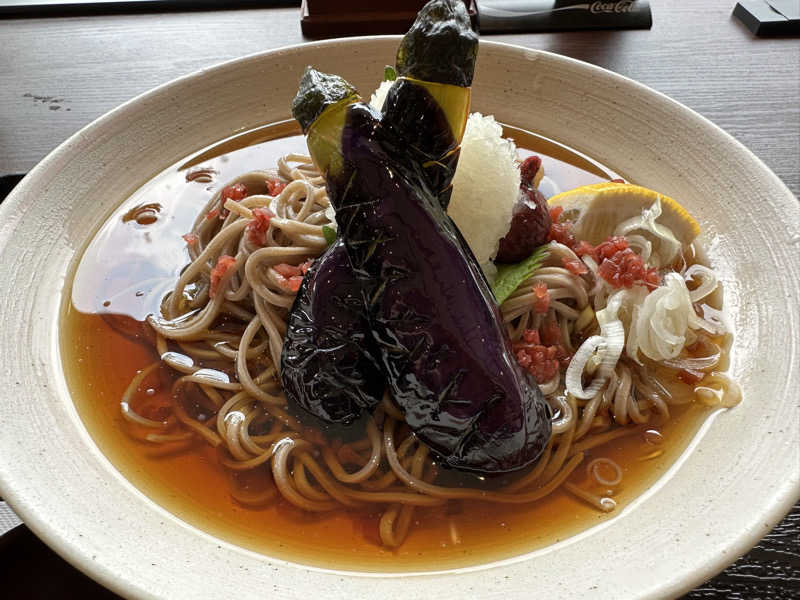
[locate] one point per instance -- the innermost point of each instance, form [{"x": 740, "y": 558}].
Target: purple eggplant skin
[
  {"x": 413, "y": 116},
  {"x": 438, "y": 333},
  {"x": 440, "y": 337},
  {"x": 328, "y": 367},
  {"x": 329, "y": 360}
]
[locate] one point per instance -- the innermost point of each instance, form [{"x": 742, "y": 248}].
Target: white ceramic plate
[{"x": 737, "y": 480}]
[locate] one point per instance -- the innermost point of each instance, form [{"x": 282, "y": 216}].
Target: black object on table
[
  {"x": 50, "y": 8},
  {"x": 7, "y": 183},
  {"x": 506, "y": 16},
  {"x": 330, "y": 18},
  {"x": 29, "y": 570},
  {"x": 769, "y": 17}
]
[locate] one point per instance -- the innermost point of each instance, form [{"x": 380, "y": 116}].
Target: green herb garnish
[
  {"x": 509, "y": 277},
  {"x": 389, "y": 74},
  {"x": 329, "y": 233}
]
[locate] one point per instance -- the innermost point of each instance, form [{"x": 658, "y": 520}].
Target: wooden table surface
[{"x": 58, "y": 74}]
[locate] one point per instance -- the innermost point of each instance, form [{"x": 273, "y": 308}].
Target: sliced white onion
[
  {"x": 669, "y": 244},
  {"x": 610, "y": 342},
  {"x": 696, "y": 322},
  {"x": 611, "y": 311},
  {"x": 550, "y": 387},
  {"x": 644, "y": 245},
  {"x": 611, "y": 339},
  {"x": 576, "y": 366},
  {"x": 694, "y": 364},
  {"x": 619, "y": 299},
  {"x": 664, "y": 319},
  {"x": 632, "y": 342},
  {"x": 614, "y": 334},
  {"x": 708, "y": 281}
]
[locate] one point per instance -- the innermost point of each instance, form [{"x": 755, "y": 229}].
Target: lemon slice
[{"x": 604, "y": 209}]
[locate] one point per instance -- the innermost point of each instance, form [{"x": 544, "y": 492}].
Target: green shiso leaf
[
  {"x": 389, "y": 74},
  {"x": 509, "y": 277},
  {"x": 329, "y": 233}
]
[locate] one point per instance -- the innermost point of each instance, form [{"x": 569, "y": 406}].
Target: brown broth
[{"x": 134, "y": 260}]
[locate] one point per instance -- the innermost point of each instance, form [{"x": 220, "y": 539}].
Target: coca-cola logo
[
  {"x": 623, "y": 6},
  {"x": 595, "y": 8}
]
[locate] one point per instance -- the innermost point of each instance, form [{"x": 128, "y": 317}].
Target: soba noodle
[{"x": 224, "y": 349}]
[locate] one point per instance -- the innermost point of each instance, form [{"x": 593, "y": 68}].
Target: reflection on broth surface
[{"x": 133, "y": 263}]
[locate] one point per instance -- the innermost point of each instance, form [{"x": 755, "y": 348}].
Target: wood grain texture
[
  {"x": 771, "y": 570},
  {"x": 56, "y": 75}
]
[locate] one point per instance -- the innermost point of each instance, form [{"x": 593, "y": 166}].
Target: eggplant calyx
[
  {"x": 440, "y": 46},
  {"x": 316, "y": 92}
]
